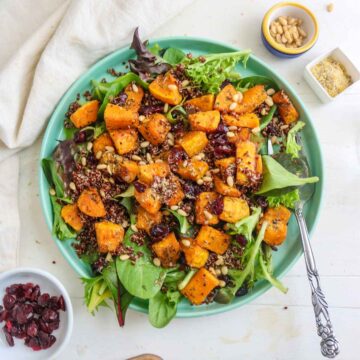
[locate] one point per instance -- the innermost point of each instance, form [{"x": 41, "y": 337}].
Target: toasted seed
[
  {"x": 240, "y": 97},
  {"x": 170, "y": 136},
  {"x": 283, "y": 39},
  {"x": 215, "y": 171},
  {"x": 230, "y": 181},
  {"x": 83, "y": 161},
  {"x": 159, "y": 161},
  {"x": 111, "y": 180},
  {"x": 110, "y": 169},
  {"x": 134, "y": 228},
  {"x": 166, "y": 108},
  {"x": 233, "y": 106},
  {"x": 149, "y": 158},
  {"x": 142, "y": 163},
  {"x": 124, "y": 224},
  {"x": 222, "y": 283},
  {"x": 172, "y": 87},
  {"x": 282, "y": 20},
  {"x": 157, "y": 262},
  {"x": 200, "y": 181},
  {"x": 330, "y": 7},
  {"x": 230, "y": 134},
  {"x": 135, "y": 88},
  {"x": 273, "y": 29},
  {"x": 279, "y": 29},
  {"x": 141, "y": 118},
  {"x": 217, "y": 272},
  {"x": 233, "y": 128},
  {"x": 270, "y": 91},
  {"x": 269, "y": 101},
  {"x": 136, "y": 158},
  {"x": 291, "y": 20},
  {"x": 72, "y": 186},
  {"x": 263, "y": 111},
  {"x": 185, "y": 163},
  {"x": 182, "y": 212},
  {"x": 185, "y": 83},
  {"x": 174, "y": 207},
  {"x": 207, "y": 178},
  {"x": 102, "y": 193},
  {"x": 283, "y": 127},
  {"x": 224, "y": 270},
  {"x": 301, "y": 31},
  {"x": 278, "y": 38},
  {"x": 89, "y": 146},
  {"x": 208, "y": 214},
  {"x": 288, "y": 37},
  {"x": 235, "y": 97},
  {"x": 255, "y": 130},
  {"x": 109, "y": 149},
  {"x": 212, "y": 270},
  {"x": 98, "y": 155},
  {"x": 186, "y": 242},
  {"x": 124, "y": 257},
  {"x": 144, "y": 144},
  {"x": 52, "y": 192}
]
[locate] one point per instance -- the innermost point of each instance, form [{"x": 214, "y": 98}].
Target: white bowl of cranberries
[{"x": 36, "y": 316}]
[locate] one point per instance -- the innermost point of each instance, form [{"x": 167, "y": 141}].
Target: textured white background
[{"x": 263, "y": 329}]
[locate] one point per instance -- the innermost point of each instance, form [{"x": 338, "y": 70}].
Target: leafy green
[
  {"x": 292, "y": 147},
  {"x": 60, "y": 229},
  {"x": 155, "y": 49},
  {"x": 265, "y": 121},
  {"x": 96, "y": 293},
  {"x": 210, "y": 71},
  {"x": 185, "y": 227},
  {"x": 289, "y": 199},
  {"x": 162, "y": 307},
  {"x": 177, "y": 108},
  {"x": 275, "y": 176},
  {"x": 186, "y": 279},
  {"x": 173, "y": 56},
  {"x": 250, "y": 81},
  {"x": 50, "y": 171},
  {"x": 69, "y": 132},
  {"x": 142, "y": 279},
  {"x": 245, "y": 226},
  {"x": 129, "y": 192}
]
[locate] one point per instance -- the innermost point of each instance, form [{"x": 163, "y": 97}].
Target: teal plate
[{"x": 287, "y": 254}]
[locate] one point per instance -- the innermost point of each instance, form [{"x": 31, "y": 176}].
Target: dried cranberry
[
  {"x": 175, "y": 156},
  {"x": 32, "y": 328},
  {"x": 140, "y": 187},
  {"x": 54, "y": 325},
  {"x": 80, "y": 137},
  {"x": 49, "y": 315},
  {"x": 217, "y": 206},
  {"x": 23, "y": 313},
  {"x": 8, "y": 336},
  {"x": 224, "y": 83},
  {"x": 223, "y": 150},
  {"x": 191, "y": 190},
  {"x": 151, "y": 109},
  {"x": 46, "y": 340},
  {"x": 35, "y": 293},
  {"x": 44, "y": 326},
  {"x": 33, "y": 343},
  {"x": 222, "y": 128},
  {"x": 12, "y": 289},
  {"x": 243, "y": 290},
  {"x": 159, "y": 231},
  {"x": 241, "y": 240},
  {"x": 61, "y": 303},
  {"x": 3, "y": 315},
  {"x": 54, "y": 303},
  {"x": 9, "y": 301},
  {"x": 43, "y": 299},
  {"x": 18, "y": 331}
]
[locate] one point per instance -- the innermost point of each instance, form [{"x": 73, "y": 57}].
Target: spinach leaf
[
  {"x": 60, "y": 229},
  {"x": 250, "y": 81},
  {"x": 185, "y": 227},
  {"x": 95, "y": 293},
  {"x": 245, "y": 226},
  {"x": 276, "y": 177},
  {"x": 162, "y": 307},
  {"x": 129, "y": 192},
  {"x": 173, "y": 56},
  {"x": 173, "y": 277},
  {"x": 177, "y": 108},
  {"x": 50, "y": 171},
  {"x": 265, "y": 121},
  {"x": 292, "y": 147},
  {"x": 156, "y": 49},
  {"x": 69, "y": 132},
  {"x": 210, "y": 71},
  {"x": 128, "y": 204},
  {"x": 142, "y": 279}
]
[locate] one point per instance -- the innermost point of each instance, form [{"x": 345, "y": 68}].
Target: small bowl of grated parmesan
[{"x": 331, "y": 74}]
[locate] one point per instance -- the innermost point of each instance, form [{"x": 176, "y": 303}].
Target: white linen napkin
[{"x": 44, "y": 47}]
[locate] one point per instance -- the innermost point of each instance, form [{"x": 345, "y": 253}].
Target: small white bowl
[
  {"x": 48, "y": 284},
  {"x": 340, "y": 56}
]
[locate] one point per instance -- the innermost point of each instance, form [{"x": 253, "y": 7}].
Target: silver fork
[{"x": 329, "y": 344}]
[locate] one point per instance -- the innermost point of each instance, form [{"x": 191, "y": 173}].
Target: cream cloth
[{"x": 44, "y": 46}]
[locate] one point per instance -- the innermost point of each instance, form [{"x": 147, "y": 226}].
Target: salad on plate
[{"x": 164, "y": 183}]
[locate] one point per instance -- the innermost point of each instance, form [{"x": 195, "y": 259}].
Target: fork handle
[{"x": 329, "y": 344}]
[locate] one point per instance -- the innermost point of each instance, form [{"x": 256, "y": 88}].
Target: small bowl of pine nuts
[{"x": 289, "y": 30}]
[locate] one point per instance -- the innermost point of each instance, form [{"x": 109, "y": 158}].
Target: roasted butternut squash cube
[
  {"x": 245, "y": 160},
  {"x": 85, "y": 115},
  {"x": 252, "y": 98},
  {"x": 174, "y": 192},
  {"x": 155, "y": 128},
  {"x": 134, "y": 94},
  {"x": 287, "y": 110},
  {"x": 213, "y": 239},
  {"x": 147, "y": 172},
  {"x": 249, "y": 120},
  {"x": 195, "y": 255},
  {"x": 90, "y": 203},
  {"x": 207, "y": 121},
  {"x": 203, "y": 208},
  {"x": 165, "y": 88},
  {"x": 202, "y": 103},
  {"x": 149, "y": 200},
  {"x": 127, "y": 170},
  {"x": 276, "y": 231},
  {"x": 224, "y": 189},
  {"x": 125, "y": 141},
  {"x": 117, "y": 117},
  {"x": 226, "y": 166},
  {"x": 70, "y": 214},
  {"x": 145, "y": 220},
  {"x": 102, "y": 142},
  {"x": 194, "y": 142},
  {"x": 242, "y": 134},
  {"x": 225, "y": 98},
  {"x": 234, "y": 210},
  {"x": 259, "y": 165},
  {"x": 192, "y": 169},
  {"x": 108, "y": 236},
  {"x": 167, "y": 250},
  {"x": 200, "y": 286}
]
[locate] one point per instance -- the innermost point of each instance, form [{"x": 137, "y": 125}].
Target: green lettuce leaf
[
  {"x": 288, "y": 200},
  {"x": 292, "y": 147}
]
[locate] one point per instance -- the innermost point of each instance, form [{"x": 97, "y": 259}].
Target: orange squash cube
[
  {"x": 86, "y": 114},
  {"x": 70, "y": 214},
  {"x": 194, "y": 169},
  {"x": 125, "y": 141},
  {"x": 202, "y": 208},
  {"x": 108, "y": 236},
  {"x": 213, "y": 239},
  {"x": 195, "y": 255},
  {"x": 90, "y": 203},
  {"x": 117, "y": 117},
  {"x": 147, "y": 172},
  {"x": 127, "y": 170},
  {"x": 165, "y": 88},
  {"x": 102, "y": 142},
  {"x": 248, "y": 120},
  {"x": 174, "y": 192},
  {"x": 227, "y": 166},
  {"x": 286, "y": 109},
  {"x": 234, "y": 210},
  {"x": 167, "y": 250},
  {"x": 194, "y": 142},
  {"x": 224, "y": 189},
  {"x": 145, "y": 220},
  {"x": 200, "y": 286},
  {"x": 202, "y": 103},
  {"x": 225, "y": 98},
  {"x": 134, "y": 98},
  {"x": 259, "y": 165},
  {"x": 245, "y": 160},
  {"x": 207, "y": 121},
  {"x": 252, "y": 98},
  {"x": 155, "y": 128},
  {"x": 149, "y": 200}
]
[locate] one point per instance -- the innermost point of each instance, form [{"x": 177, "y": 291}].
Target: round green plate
[{"x": 287, "y": 254}]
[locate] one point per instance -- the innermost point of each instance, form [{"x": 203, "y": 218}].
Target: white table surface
[{"x": 275, "y": 326}]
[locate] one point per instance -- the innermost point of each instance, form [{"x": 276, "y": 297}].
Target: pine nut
[
  {"x": 159, "y": 161},
  {"x": 109, "y": 148},
  {"x": 288, "y": 37},
  {"x": 230, "y": 134},
  {"x": 182, "y": 212},
  {"x": 292, "y": 21},
  {"x": 149, "y": 158},
  {"x": 232, "y": 106},
  {"x": 157, "y": 262},
  {"x": 124, "y": 257},
  {"x": 135, "y": 88},
  {"x": 83, "y": 161},
  {"x": 273, "y": 28},
  {"x": 269, "y": 101},
  {"x": 185, "y": 83},
  {"x": 172, "y": 87},
  {"x": 134, "y": 228},
  {"x": 270, "y": 91},
  {"x": 98, "y": 155},
  {"x": 174, "y": 207},
  {"x": 218, "y": 272},
  {"x": 279, "y": 29},
  {"x": 222, "y": 283},
  {"x": 301, "y": 31},
  {"x": 185, "y": 163},
  {"x": 200, "y": 182},
  {"x": 208, "y": 215},
  {"x": 144, "y": 144},
  {"x": 235, "y": 97},
  {"x": 101, "y": 167},
  {"x": 240, "y": 97},
  {"x": 72, "y": 186},
  {"x": 212, "y": 270},
  {"x": 255, "y": 130},
  {"x": 142, "y": 163},
  {"x": 136, "y": 158},
  {"x": 224, "y": 270},
  {"x": 170, "y": 136},
  {"x": 230, "y": 181},
  {"x": 124, "y": 224},
  {"x": 215, "y": 171},
  {"x": 278, "y": 38},
  {"x": 233, "y": 128},
  {"x": 52, "y": 192},
  {"x": 263, "y": 111},
  {"x": 89, "y": 146},
  {"x": 282, "y": 20},
  {"x": 186, "y": 242},
  {"x": 207, "y": 178},
  {"x": 166, "y": 108},
  {"x": 102, "y": 193},
  {"x": 141, "y": 118}
]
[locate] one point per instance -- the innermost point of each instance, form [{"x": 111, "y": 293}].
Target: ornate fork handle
[{"x": 329, "y": 344}]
